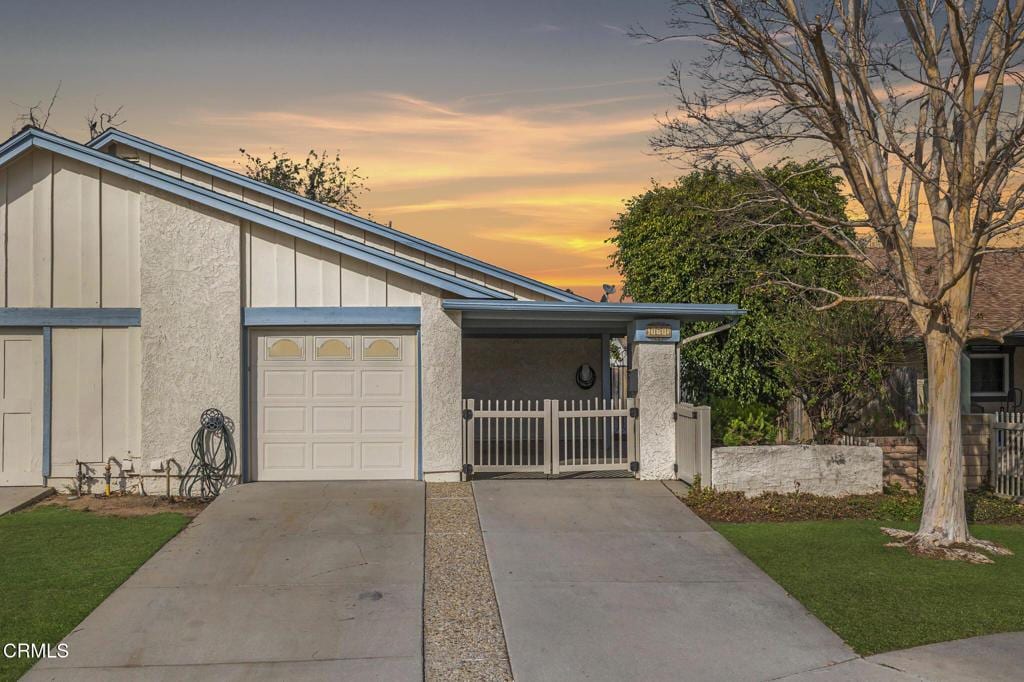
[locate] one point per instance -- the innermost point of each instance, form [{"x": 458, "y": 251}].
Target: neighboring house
[
  {"x": 993, "y": 369},
  {"x": 141, "y": 286}
]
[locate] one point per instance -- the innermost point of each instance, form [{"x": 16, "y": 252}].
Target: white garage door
[{"x": 335, "y": 404}]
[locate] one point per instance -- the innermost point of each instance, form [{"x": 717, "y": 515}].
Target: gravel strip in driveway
[{"x": 462, "y": 634}]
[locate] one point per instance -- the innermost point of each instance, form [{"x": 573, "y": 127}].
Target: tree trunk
[
  {"x": 943, "y": 532},
  {"x": 944, "y": 517}
]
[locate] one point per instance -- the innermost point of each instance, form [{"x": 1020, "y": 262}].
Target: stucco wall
[
  {"x": 190, "y": 322},
  {"x": 441, "y": 372},
  {"x": 656, "y": 395},
  {"x": 832, "y": 470},
  {"x": 528, "y": 369}
]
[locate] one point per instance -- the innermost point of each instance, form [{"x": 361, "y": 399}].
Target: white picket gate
[
  {"x": 549, "y": 436},
  {"x": 693, "y": 443},
  {"x": 1006, "y": 455}
]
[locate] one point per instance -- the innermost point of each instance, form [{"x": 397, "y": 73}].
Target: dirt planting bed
[{"x": 127, "y": 505}]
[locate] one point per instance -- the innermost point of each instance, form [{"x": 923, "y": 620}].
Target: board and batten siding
[
  {"x": 282, "y": 271},
  {"x": 70, "y": 235},
  {"x": 96, "y": 412},
  {"x": 323, "y": 222},
  {"x": 70, "y": 239}
]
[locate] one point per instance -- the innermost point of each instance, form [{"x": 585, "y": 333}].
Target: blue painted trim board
[
  {"x": 243, "y": 431},
  {"x": 47, "y": 398},
  {"x": 419, "y": 407},
  {"x": 70, "y": 317},
  {"x": 404, "y": 316}
]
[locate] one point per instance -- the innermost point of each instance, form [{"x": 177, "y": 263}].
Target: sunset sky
[{"x": 509, "y": 131}]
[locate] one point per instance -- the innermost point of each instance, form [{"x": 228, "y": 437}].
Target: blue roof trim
[
  {"x": 37, "y": 138},
  {"x": 690, "y": 312},
  {"x": 114, "y": 135}
]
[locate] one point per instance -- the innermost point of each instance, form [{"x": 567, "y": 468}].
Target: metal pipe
[{"x": 106, "y": 479}]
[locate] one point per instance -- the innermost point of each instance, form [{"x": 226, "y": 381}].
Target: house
[
  {"x": 992, "y": 368},
  {"x": 142, "y": 285}
]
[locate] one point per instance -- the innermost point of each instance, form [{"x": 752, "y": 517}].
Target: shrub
[
  {"x": 725, "y": 411},
  {"x": 984, "y": 507},
  {"x": 897, "y": 506},
  {"x": 754, "y": 429}
]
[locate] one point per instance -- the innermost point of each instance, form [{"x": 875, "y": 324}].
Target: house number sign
[{"x": 659, "y": 331}]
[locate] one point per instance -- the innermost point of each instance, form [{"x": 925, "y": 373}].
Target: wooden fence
[
  {"x": 549, "y": 436},
  {"x": 1006, "y": 457}
]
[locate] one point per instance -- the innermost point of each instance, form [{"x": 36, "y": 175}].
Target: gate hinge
[
  {"x": 467, "y": 469},
  {"x": 634, "y": 466},
  {"x": 675, "y": 416},
  {"x": 467, "y": 414},
  {"x": 634, "y": 412},
  {"x": 675, "y": 467}
]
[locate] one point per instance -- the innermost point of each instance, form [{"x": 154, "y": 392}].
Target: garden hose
[{"x": 213, "y": 457}]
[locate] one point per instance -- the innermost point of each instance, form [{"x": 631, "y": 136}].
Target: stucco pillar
[
  {"x": 656, "y": 394},
  {"x": 191, "y": 332},
  {"x": 441, "y": 374}
]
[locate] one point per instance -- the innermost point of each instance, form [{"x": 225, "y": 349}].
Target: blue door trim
[
  {"x": 47, "y": 396},
  {"x": 376, "y": 316}
]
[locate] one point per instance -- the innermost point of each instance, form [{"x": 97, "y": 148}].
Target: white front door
[
  {"x": 21, "y": 423},
  {"x": 335, "y": 404}
]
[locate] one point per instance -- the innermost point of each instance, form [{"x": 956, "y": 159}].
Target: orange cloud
[{"x": 530, "y": 184}]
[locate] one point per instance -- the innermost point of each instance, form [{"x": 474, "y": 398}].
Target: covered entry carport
[{"x": 536, "y": 381}]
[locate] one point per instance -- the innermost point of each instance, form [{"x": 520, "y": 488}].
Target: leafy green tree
[
  {"x": 840, "y": 363},
  {"x": 694, "y": 242},
  {"x": 319, "y": 177}
]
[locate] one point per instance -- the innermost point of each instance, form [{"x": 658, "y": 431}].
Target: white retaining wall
[{"x": 832, "y": 470}]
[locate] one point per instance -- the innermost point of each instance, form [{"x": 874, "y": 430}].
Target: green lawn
[
  {"x": 879, "y": 598},
  {"x": 57, "y": 565}
]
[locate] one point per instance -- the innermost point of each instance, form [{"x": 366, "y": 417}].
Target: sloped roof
[
  {"x": 118, "y": 136},
  {"x": 998, "y": 293},
  {"x": 30, "y": 138}
]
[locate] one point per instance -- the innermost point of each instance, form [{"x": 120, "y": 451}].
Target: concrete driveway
[
  {"x": 272, "y": 581},
  {"x": 616, "y": 579}
]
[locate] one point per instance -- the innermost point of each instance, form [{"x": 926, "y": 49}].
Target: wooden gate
[
  {"x": 549, "y": 436},
  {"x": 693, "y": 443}
]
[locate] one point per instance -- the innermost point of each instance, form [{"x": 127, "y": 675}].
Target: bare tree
[
  {"x": 920, "y": 106},
  {"x": 101, "y": 121},
  {"x": 34, "y": 115}
]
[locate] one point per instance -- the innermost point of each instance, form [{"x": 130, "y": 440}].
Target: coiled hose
[{"x": 213, "y": 457}]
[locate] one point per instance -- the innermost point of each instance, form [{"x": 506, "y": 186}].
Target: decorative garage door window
[
  {"x": 382, "y": 348},
  {"x": 334, "y": 348},
  {"x": 286, "y": 348}
]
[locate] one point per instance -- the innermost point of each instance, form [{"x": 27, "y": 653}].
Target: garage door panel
[
  {"x": 335, "y": 404},
  {"x": 383, "y": 455},
  {"x": 334, "y": 456},
  {"x": 284, "y": 383},
  {"x": 334, "y": 383},
  {"x": 282, "y": 419},
  {"x": 382, "y": 419},
  {"x": 284, "y": 456},
  {"x": 385, "y": 383},
  {"x": 334, "y": 419}
]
